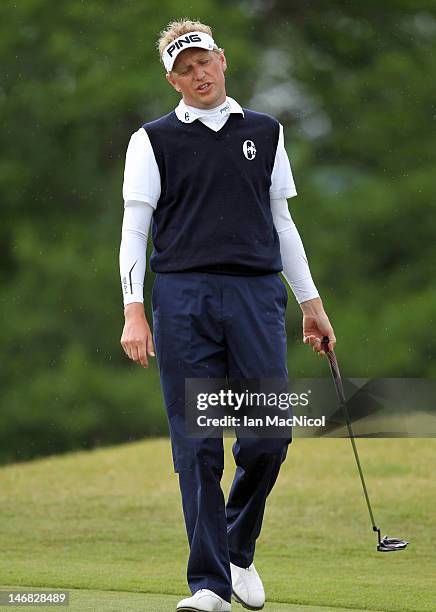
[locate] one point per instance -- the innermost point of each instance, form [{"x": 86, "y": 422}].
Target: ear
[
  {"x": 171, "y": 80},
  {"x": 223, "y": 61}
]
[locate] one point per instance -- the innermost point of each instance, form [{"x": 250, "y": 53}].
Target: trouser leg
[
  {"x": 205, "y": 519},
  {"x": 256, "y": 340},
  {"x": 189, "y": 344},
  {"x": 258, "y": 462}
]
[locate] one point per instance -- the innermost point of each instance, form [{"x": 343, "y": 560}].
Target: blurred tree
[
  {"x": 77, "y": 79},
  {"x": 352, "y": 84}
]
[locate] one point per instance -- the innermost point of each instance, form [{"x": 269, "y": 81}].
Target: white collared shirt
[
  {"x": 141, "y": 174},
  {"x": 213, "y": 118}
]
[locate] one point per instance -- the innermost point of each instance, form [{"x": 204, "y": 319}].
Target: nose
[{"x": 199, "y": 72}]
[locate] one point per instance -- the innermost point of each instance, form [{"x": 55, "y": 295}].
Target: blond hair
[{"x": 179, "y": 27}]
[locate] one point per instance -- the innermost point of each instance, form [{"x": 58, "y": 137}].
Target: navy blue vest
[{"x": 214, "y": 212}]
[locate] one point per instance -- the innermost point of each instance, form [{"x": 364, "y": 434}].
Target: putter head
[{"x": 388, "y": 544}]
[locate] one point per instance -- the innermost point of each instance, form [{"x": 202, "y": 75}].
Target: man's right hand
[{"x": 137, "y": 339}]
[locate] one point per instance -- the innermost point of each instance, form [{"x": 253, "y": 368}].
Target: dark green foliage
[{"x": 352, "y": 83}]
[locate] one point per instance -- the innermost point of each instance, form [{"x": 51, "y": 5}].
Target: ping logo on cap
[
  {"x": 178, "y": 43},
  {"x": 191, "y": 39}
]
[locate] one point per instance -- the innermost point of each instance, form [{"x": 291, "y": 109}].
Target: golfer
[{"x": 214, "y": 177}]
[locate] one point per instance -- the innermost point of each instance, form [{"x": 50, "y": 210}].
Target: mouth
[{"x": 204, "y": 88}]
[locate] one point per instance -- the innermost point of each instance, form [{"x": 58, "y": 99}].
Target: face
[{"x": 198, "y": 75}]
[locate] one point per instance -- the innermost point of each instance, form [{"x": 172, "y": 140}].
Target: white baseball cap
[{"x": 185, "y": 41}]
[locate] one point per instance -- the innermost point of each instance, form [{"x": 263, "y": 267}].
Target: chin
[{"x": 211, "y": 99}]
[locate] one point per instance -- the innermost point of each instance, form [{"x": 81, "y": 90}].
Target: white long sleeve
[
  {"x": 133, "y": 249},
  {"x": 295, "y": 265}
]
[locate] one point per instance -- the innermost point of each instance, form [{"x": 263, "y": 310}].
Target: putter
[{"x": 385, "y": 544}]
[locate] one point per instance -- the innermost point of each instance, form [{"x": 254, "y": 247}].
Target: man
[{"x": 214, "y": 177}]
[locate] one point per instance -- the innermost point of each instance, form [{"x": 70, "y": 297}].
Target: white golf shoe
[
  {"x": 247, "y": 587},
  {"x": 203, "y": 601}
]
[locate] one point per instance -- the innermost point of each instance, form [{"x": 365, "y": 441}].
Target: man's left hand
[{"x": 316, "y": 325}]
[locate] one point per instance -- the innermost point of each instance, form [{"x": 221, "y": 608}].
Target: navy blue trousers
[{"x": 218, "y": 326}]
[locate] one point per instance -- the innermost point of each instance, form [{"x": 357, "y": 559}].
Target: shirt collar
[{"x": 188, "y": 114}]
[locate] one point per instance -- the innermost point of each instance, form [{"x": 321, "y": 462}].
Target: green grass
[
  {"x": 108, "y": 526},
  {"x": 116, "y": 601}
]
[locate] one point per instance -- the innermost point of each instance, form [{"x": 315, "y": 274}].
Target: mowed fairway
[{"x": 108, "y": 526}]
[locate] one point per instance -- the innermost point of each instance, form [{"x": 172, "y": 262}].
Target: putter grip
[
  {"x": 325, "y": 343},
  {"x": 334, "y": 366}
]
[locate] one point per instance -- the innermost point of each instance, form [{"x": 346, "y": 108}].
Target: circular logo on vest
[{"x": 249, "y": 149}]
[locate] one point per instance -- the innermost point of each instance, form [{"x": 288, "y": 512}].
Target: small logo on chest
[{"x": 249, "y": 149}]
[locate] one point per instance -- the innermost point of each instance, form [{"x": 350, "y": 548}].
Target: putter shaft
[
  {"x": 386, "y": 544},
  {"x": 334, "y": 368}
]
